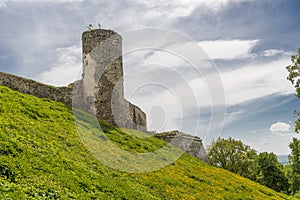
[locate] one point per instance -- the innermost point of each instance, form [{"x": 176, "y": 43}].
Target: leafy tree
[
  {"x": 270, "y": 172},
  {"x": 294, "y": 160},
  {"x": 294, "y": 157},
  {"x": 294, "y": 77},
  {"x": 234, "y": 156}
]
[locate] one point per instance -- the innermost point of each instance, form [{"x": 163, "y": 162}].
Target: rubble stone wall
[
  {"x": 27, "y": 86},
  {"x": 188, "y": 143}
]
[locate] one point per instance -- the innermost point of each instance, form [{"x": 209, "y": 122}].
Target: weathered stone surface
[
  {"x": 92, "y": 38},
  {"x": 138, "y": 118},
  {"x": 27, "y": 86},
  {"x": 102, "y": 80},
  {"x": 188, "y": 143}
]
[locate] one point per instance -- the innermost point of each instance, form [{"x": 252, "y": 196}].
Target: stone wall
[
  {"x": 138, "y": 117},
  {"x": 102, "y": 80},
  {"x": 92, "y": 38},
  {"x": 27, "y": 86},
  {"x": 102, "y": 71},
  {"x": 188, "y": 143}
]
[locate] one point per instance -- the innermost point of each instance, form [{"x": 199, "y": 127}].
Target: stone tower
[
  {"x": 102, "y": 80},
  {"x": 102, "y": 70}
]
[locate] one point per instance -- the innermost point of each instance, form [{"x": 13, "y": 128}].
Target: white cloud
[
  {"x": 280, "y": 127},
  {"x": 66, "y": 70},
  {"x": 256, "y": 81},
  {"x": 228, "y": 49},
  {"x": 3, "y": 3},
  {"x": 54, "y": 1},
  {"x": 272, "y": 52},
  {"x": 249, "y": 82},
  {"x": 276, "y": 52},
  {"x": 233, "y": 116},
  {"x": 181, "y": 8}
]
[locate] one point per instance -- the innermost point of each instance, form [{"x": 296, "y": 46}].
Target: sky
[{"x": 243, "y": 45}]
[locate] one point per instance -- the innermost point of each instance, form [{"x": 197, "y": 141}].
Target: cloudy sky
[{"x": 249, "y": 43}]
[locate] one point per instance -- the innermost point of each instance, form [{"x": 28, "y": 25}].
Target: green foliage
[
  {"x": 294, "y": 72},
  {"x": 294, "y": 166},
  {"x": 239, "y": 158},
  {"x": 42, "y": 157},
  {"x": 270, "y": 172},
  {"x": 294, "y": 77},
  {"x": 234, "y": 156}
]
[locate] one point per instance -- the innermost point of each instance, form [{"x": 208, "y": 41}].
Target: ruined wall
[
  {"x": 27, "y": 86},
  {"x": 102, "y": 70},
  {"x": 100, "y": 91},
  {"x": 102, "y": 80},
  {"x": 138, "y": 118},
  {"x": 188, "y": 143}
]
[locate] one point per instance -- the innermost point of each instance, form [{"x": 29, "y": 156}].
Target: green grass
[{"x": 42, "y": 156}]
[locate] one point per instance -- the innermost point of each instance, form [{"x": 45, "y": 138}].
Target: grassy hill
[{"x": 43, "y": 157}]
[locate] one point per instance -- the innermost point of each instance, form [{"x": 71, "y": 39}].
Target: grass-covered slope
[{"x": 42, "y": 157}]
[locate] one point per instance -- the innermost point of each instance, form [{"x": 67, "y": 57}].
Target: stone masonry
[
  {"x": 101, "y": 91},
  {"x": 188, "y": 143},
  {"x": 27, "y": 86},
  {"x": 102, "y": 80}
]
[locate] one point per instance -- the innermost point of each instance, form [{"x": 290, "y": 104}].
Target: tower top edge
[{"x": 93, "y": 31}]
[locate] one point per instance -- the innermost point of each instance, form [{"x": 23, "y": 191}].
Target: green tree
[
  {"x": 270, "y": 172},
  {"x": 294, "y": 160},
  {"x": 294, "y": 77},
  {"x": 234, "y": 156},
  {"x": 293, "y": 172}
]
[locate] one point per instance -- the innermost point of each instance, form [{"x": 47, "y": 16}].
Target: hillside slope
[{"x": 42, "y": 157}]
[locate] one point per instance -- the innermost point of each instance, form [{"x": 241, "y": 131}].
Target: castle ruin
[{"x": 101, "y": 91}]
